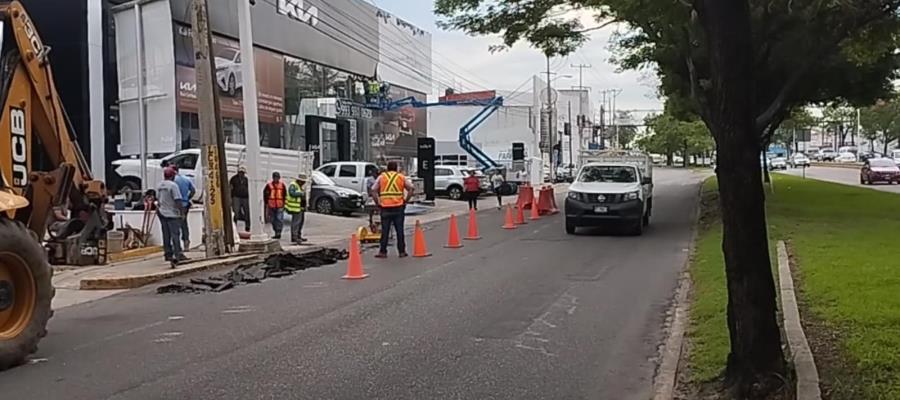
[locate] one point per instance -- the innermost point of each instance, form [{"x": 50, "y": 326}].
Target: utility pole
[
  {"x": 142, "y": 118},
  {"x": 551, "y": 123},
  {"x": 256, "y": 178},
  {"x": 614, "y": 120},
  {"x": 570, "y": 133},
  {"x": 210, "y": 130},
  {"x": 581, "y": 68}
]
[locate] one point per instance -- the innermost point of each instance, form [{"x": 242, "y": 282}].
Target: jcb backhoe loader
[{"x": 42, "y": 167}]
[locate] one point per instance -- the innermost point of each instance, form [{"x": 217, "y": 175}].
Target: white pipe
[{"x": 96, "y": 97}]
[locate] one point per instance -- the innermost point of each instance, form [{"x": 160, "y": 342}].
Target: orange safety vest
[
  {"x": 391, "y": 185},
  {"x": 276, "y": 195}
]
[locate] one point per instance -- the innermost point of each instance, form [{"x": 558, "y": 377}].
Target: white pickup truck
[
  {"x": 287, "y": 162},
  {"x": 611, "y": 187}
]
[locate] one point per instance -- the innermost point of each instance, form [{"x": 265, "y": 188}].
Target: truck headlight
[
  {"x": 343, "y": 194},
  {"x": 575, "y": 195},
  {"x": 632, "y": 195}
]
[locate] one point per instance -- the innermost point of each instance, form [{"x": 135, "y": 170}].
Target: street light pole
[{"x": 256, "y": 179}]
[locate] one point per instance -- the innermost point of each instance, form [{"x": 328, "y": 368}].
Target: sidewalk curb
[
  {"x": 800, "y": 354},
  {"x": 136, "y": 281},
  {"x": 666, "y": 378}
]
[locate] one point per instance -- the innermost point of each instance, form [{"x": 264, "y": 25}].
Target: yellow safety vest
[{"x": 293, "y": 205}]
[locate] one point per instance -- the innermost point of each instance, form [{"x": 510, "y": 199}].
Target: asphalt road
[
  {"x": 525, "y": 314},
  {"x": 846, "y": 176}
]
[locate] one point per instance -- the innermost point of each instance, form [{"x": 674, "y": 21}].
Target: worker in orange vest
[
  {"x": 275, "y": 194},
  {"x": 389, "y": 195}
]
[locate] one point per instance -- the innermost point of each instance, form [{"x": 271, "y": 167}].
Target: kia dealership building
[{"x": 314, "y": 60}]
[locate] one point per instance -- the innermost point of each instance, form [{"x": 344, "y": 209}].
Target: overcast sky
[{"x": 476, "y": 67}]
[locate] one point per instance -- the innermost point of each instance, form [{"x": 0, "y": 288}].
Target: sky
[{"x": 478, "y": 69}]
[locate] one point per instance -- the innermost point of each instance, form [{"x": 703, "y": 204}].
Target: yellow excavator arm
[{"x": 32, "y": 119}]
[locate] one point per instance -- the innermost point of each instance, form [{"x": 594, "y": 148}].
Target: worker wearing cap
[
  {"x": 240, "y": 197},
  {"x": 170, "y": 210},
  {"x": 187, "y": 193},
  {"x": 388, "y": 190},
  {"x": 295, "y": 205},
  {"x": 275, "y": 194}
]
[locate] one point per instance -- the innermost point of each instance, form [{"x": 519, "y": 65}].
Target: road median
[{"x": 841, "y": 246}]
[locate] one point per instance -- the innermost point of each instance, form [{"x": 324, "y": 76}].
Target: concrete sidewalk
[{"x": 79, "y": 285}]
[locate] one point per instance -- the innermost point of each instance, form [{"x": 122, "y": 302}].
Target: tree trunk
[
  {"x": 756, "y": 359},
  {"x": 670, "y": 159}
]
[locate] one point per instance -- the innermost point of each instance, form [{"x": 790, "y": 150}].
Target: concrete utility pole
[
  {"x": 615, "y": 118},
  {"x": 551, "y": 123},
  {"x": 142, "y": 119},
  {"x": 210, "y": 129},
  {"x": 256, "y": 178}
]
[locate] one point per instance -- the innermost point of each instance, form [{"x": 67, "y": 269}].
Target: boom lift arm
[
  {"x": 32, "y": 116},
  {"x": 465, "y": 132}
]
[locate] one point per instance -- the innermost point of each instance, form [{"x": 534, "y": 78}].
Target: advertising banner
[
  {"x": 229, "y": 79},
  {"x": 331, "y": 32}
]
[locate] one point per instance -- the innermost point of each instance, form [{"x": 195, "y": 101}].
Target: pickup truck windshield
[{"x": 608, "y": 174}]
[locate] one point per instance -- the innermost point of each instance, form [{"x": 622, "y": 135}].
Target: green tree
[
  {"x": 840, "y": 118},
  {"x": 742, "y": 66},
  {"x": 669, "y": 136},
  {"x": 882, "y": 122}
]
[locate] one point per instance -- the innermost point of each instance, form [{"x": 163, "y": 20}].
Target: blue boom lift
[{"x": 489, "y": 108}]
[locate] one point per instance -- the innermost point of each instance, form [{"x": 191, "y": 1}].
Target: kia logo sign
[{"x": 296, "y": 9}]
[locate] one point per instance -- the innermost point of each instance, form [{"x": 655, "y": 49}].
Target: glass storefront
[{"x": 291, "y": 91}]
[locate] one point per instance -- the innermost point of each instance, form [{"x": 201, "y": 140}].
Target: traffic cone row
[{"x": 511, "y": 221}]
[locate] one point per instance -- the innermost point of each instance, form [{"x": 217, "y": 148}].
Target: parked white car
[
  {"x": 228, "y": 71},
  {"x": 846, "y": 157},
  {"x": 352, "y": 175},
  {"x": 778, "y": 163},
  {"x": 799, "y": 160},
  {"x": 448, "y": 180}
]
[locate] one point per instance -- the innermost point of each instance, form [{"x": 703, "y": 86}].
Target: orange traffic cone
[
  {"x": 453, "y": 239},
  {"x": 419, "y": 248},
  {"x": 535, "y": 213},
  {"x": 473, "y": 226},
  {"x": 520, "y": 217},
  {"x": 509, "y": 224},
  {"x": 354, "y": 262}
]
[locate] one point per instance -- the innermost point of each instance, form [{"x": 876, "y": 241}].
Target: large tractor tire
[{"x": 26, "y": 290}]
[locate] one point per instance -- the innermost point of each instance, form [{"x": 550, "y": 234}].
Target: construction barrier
[{"x": 526, "y": 197}]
